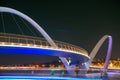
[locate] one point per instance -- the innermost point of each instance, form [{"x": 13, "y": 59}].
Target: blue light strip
[
  {"x": 12, "y": 49},
  {"x": 42, "y": 78}
]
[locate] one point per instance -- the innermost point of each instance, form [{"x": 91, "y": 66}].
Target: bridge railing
[{"x": 23, "y": 40}]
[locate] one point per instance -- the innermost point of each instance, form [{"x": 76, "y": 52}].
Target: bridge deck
[
  {"x": 10, "y": 44},
  {"x": 14, "y": 39}
]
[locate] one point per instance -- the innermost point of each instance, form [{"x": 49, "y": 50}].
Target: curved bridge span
[{"x": 19, "y": 44}]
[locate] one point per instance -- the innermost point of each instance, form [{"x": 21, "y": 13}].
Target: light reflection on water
[{"x": 42, "y": 78}]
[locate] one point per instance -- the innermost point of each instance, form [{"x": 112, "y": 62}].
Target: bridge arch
[
  {"x": 39, "y": 28},
  {"x": 97, "y": 47}
]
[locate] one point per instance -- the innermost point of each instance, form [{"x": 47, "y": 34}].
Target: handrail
[{"x": 29, "y": 40}]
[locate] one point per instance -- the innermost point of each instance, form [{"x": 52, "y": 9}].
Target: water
[
  {"x": 42, "y": 78},
  {"x": 58, "y": 75}
]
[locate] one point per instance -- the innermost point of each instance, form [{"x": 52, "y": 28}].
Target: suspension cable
[
  {"x": 17, "y": 24},
  {"x": 27, "y": 26},
  {"x": 3, "y": 23}
]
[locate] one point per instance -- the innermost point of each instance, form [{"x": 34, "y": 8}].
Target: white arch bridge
[{"x": 69, "y": 54}]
